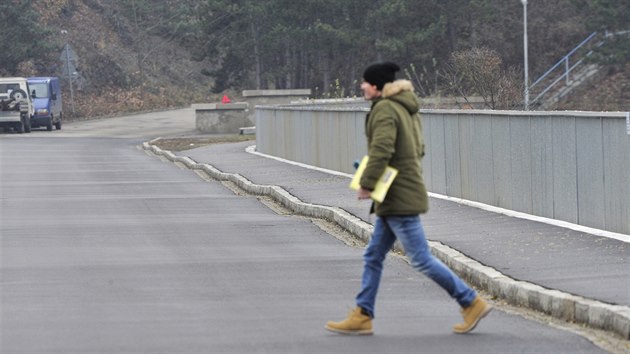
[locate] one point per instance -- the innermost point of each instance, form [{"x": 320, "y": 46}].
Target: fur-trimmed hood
[
  {"x": 396, "y": 87},
  {"x": 401, "y": 91}
]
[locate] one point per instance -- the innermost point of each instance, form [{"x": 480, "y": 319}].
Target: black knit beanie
[{"x": 380, "y": 73}]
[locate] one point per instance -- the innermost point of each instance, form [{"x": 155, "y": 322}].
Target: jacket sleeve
[{"x": 382, "y": 130}]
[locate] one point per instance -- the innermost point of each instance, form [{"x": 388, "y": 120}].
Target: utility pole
[
  {"x": 69, "y": 68},
  {"x": 70, "y": 77},
  {"x": 526, "y": 69}
]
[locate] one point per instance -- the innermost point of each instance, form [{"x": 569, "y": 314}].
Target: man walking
[{"x": 394, "y": 134}]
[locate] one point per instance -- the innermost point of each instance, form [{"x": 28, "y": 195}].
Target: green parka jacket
[{"x": 394, "y": 133}]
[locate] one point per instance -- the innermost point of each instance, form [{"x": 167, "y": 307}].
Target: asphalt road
[{"x": 104, "y": 249}]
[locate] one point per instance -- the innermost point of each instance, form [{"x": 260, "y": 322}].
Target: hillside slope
[
  {"x": 119, "y": 71},
  {"x": 123, "y": 69},
  {"x": 609, "y": 92}
]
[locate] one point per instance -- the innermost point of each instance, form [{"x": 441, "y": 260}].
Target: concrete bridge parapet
[
  {"x": 221, "y": 118},
  {"x": 231, "y": 118},
  {"x": 272, "y": 97}
]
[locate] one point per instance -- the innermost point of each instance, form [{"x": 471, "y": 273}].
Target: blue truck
[{"x": 48, "y": 108}]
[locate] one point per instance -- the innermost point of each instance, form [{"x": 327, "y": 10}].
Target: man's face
[{"x": 370, "y": 91}]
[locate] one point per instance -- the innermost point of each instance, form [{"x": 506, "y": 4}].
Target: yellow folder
[{"x": 383, "y": 184}]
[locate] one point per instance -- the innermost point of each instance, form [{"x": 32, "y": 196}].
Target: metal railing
[{"x": 565, "y": 63}]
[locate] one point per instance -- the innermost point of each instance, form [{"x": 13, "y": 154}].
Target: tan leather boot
[
  {"x": 472, "y": 314},
  {"x": 357, "y": 323}
]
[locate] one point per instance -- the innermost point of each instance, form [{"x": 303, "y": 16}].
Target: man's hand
[{"x": 363, "y": 193}]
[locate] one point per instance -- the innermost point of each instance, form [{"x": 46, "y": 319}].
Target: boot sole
[
  {"x": 363, "y": 332},
  {"x": 485, "y": 312}
]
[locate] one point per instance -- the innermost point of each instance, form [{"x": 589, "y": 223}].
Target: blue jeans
[{"x": 407, "y": 229}]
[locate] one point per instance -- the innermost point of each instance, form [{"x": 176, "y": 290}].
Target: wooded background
[{"x": 166, "y": 52}]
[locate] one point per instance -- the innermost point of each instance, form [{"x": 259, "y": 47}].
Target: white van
[{"x": 16, "y": 106}]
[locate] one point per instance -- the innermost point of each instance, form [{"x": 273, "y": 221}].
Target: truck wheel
[
  {"x": 27, "y": 125},
  {"x": 19, "y": 127},
  {"x": 18, "y": 95},
  {"x": 58, "y": 124},
  {"x": 50, "y": 123}
]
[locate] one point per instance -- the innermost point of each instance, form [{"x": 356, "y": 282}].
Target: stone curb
[{"x": 561, "y": 305}]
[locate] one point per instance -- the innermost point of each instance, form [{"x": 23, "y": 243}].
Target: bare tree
[{"x": 478, "y": 71}]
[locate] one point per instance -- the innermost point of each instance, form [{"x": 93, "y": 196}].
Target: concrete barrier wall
[
  {"x": 271, "y": 97},
  {"x": 229, "y": 118},
  {"x": 221, "y": 118},
  {"x": 571, "y": 166}
]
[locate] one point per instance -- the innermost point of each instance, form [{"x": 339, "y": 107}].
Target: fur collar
[{"x": 396, "y": 87}]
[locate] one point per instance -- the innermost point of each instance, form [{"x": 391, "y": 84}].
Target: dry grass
[{"x": 187, "y": 143}]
